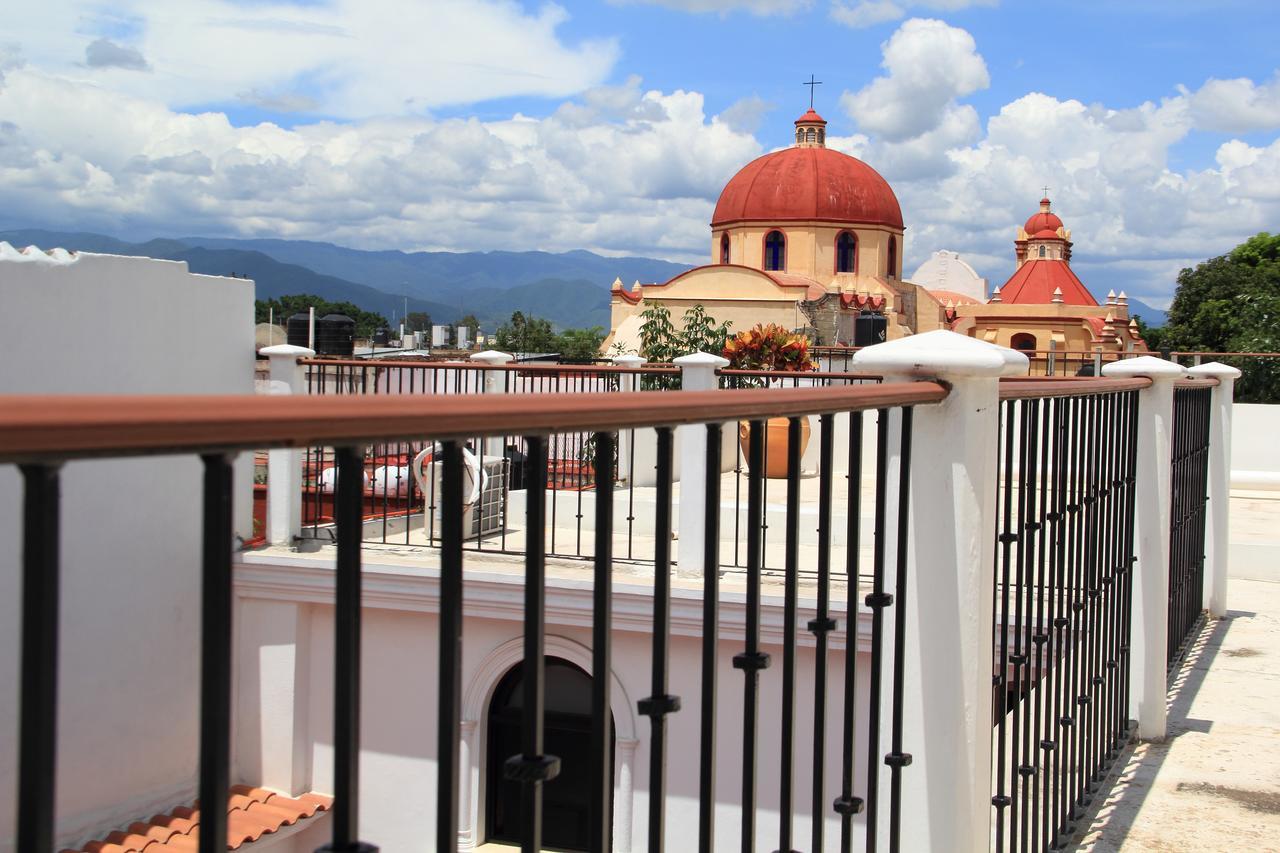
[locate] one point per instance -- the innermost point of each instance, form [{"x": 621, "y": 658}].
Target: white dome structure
[{"x": 946, "y": 272}]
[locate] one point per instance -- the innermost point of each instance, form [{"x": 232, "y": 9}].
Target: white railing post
[
  {"x": 627, "y": 382},
  {"x": 284, "y": 466},
  {"x": 1217, "y": 532},
  {"x": 950, "y": 583},
  {"x": 697, "y": 373},
  {"x": 1149, "y": 632},
  {"x": 494, "y": 383}
]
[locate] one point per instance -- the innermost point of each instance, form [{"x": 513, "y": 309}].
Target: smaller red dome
[
  {"x": 811, "y": 118},
  {"x": 1043, "y": 221},
  {"x": 1046, "y": 234}
]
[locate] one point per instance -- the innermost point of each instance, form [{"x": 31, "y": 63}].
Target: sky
[{"x": 467, "y": 125}]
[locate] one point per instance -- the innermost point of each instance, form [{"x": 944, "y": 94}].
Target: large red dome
[{"x": 808, "y": 183}]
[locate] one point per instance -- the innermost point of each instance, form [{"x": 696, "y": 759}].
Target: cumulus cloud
[
  {"x": 104, "y": 53},
  {"x": 1236, "y": 106},
  {"x": 928, "y": 65},
  {"x": 358, "y": 58},
  {"x": 755, "y": 7},
  {"x": 745, "y": 114},
  {"x": 860, "y": 14}
]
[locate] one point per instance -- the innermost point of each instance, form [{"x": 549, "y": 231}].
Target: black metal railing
[
  {"x": 1063, "y": 599},
  {"x": 40, "y": 433},
  {"x": 1187, "y": 511}
]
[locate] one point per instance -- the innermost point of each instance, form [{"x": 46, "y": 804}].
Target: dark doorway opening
[{"x": 569, "y": 800}]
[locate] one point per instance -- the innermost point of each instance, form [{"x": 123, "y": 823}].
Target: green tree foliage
[
  {"x": 286, "y": 306},
  {"x": 662, "y": 342},
  {"x": 580, "y": 345},
  {"x": 417, "y": 321},
  {"x": 1232, "y": 304},
  {"x": 526, "y": 334}
]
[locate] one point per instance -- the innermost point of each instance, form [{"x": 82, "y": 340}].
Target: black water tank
[
  {"x": 298, "y": 329},
  {"x": 870, "y": 329},
  {"x": 335, "y": 335},
  {"x": 382, "y": 337}
]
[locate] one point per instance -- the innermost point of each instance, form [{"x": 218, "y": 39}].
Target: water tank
[
  {"x": 439, "y": 336},
  {"x": 335, "y": 335},
  {"x": 297, "y": 328},
  {"x": 382, "y": 337},
  {"x": 464, "y": 337},
  {"x": 870, "y": 329}
]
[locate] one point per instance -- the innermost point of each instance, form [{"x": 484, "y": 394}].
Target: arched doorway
[{"x": 569, "y": 799}]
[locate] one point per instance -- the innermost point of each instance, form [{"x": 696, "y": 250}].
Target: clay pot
[{"x": 775, "y": 445}]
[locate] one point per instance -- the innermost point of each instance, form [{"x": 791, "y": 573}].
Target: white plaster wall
[
  {"x": 398, "y": 731},
  {"x": 130, "y": 541},
  {"x": 1255, "y": 453}
]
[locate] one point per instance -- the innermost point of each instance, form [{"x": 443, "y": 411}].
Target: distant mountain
[
  {"x": 569, "y": 289},
  {"x": 1150, "y": 316}
]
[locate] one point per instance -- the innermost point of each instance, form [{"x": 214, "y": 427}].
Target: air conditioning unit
[{"x": 485, "y": 516}]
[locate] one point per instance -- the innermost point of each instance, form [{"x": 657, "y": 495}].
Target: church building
[{"x": 806, "y": 237}]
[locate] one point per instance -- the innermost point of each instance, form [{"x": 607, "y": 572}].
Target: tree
[
  {"x": 417, "y": 321},
  {"x": 580, "y": 345},
  {"x": 1232, "y": 304},
  {"x": 286, "y": 306},
  {"x": 525, "y": 334}
]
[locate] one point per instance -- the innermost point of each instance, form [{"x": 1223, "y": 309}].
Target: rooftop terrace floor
[{"x": 1214, "y": 783}]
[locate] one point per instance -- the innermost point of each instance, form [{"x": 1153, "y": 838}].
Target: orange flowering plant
[{"x": 769, "y": 347}]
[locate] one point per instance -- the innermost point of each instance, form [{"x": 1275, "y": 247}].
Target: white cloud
[
  {"x": 353, "y": 58},
  {"x": 1236, "y": 106},
  {"x": 104, "y": 53},
  {"x": 745, "y": 114},
  {"x": 860, "y": 14},
  {"x": 755, "y": 7},
  {"x": 929, "y": 65}
]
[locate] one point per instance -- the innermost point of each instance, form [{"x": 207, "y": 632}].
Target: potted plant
[{"x": 770, "y": 347}]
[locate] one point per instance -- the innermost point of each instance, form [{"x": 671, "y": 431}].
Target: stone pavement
[{"x": 1214, "y": 784}]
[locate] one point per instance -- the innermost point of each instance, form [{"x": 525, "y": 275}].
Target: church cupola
[
  {"x": 811, "y": 130},
  {"x": 1043, "y": 237}
]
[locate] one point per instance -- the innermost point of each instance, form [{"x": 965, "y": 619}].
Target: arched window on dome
[
  {"x": 846, "y": 252},
  {"x": 822, "y": 136},
  {"x": 892, "y": 266},
  {"x": 799, "y": 134},
  {"x": 775, "y": 251},
  {"x": 1042, "y": 250},
  {"x": 724, "y": 248},
  {"x": 1023, "y": 341},
  {"x": 811, "y": 135}
]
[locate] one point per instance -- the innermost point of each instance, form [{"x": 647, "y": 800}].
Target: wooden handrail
[
  {"x": 1027, "y": 388},
  {"x": 60, "y": 427}
]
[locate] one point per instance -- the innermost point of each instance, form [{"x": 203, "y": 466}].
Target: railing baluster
[
  {"x": 877, "y": 600},
  {"x": 601, "y": 649},
  {"x": 531, "y": 768},
  {"x": 349, "y": 497},
  {"x": 752, "y": 660},
  {"x": 710, "y": 629},
  {"x": 897, "y": 759},
  {"x": 659, "y": 703},
  {"x": 791, "y": 568},
  {"x": 822, "y": 624},
  {"x": 38, "y": 726},
  {"x": 215, "y": 654},
  {"x": 450, "y": 677},
  {"x": 847, "y": 805}
]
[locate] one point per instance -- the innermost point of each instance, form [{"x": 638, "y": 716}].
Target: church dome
[
  {"x": 808, "y": 183},
  {"x": 1043, "y": 221}
]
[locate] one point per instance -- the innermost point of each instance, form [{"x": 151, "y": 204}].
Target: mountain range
[{"x": 571, "y": 289}]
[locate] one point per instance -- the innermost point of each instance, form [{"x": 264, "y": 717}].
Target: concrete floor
[{"x": 1214, "y": 784}]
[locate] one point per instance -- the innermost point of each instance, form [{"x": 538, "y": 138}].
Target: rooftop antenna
[{"x": 811, "y": 83}]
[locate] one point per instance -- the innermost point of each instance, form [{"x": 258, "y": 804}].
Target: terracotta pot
[{"x": 775, "y": 445}]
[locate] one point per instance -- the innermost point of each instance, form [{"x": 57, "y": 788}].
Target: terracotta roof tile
[
  {"x": 251, "y": 814},
  {"x": 1033, "y": 284}
]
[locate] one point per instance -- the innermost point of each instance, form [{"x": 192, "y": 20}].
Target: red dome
[
  {"x": 1043, "y": 221},
  {"x": 808, "y": 183}
]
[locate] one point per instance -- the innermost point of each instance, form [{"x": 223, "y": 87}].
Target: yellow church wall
[{"x": 811, "y": 248}]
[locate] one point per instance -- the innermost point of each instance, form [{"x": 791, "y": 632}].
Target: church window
[
  {"x": 893, "y": 258},
  {"x": 775, "y": 251},
  {"x": 812, "y": 135},
  {"x": 846, "y": 252},
  {"x": 724, "y": 248},
  {"x": 1023, "y": 341},
  {"x": 572, "y": 796},
  {"x": 799, "y": 134},
  {"x": 1042, "y": 251},
  {"x": 822, "y": 136}
]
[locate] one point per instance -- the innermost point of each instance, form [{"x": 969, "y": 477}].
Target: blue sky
[{"x": 482, "y": 124}]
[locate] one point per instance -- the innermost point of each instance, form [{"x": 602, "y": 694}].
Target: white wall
[
  {"x": 1255, "y": 452},
  {"x": 284, "y": 729},
  {"x": 130, "y": 541}
]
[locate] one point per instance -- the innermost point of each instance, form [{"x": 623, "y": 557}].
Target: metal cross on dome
[
  {"x": 1046, "y": 192},
  {"x": 811, "y": 83}
]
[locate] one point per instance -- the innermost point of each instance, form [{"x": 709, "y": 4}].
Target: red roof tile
[
  {"x": 1034, "y": 282},
  {"x": 251, "y": 814}
]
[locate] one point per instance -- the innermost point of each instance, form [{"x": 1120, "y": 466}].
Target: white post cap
[
  {"x": 941, "y": 354},
  {"x": 490, "y": 356},
  {"x": 286, "y": 351},
  {"x": 1145, "y": 365},
  {"x": 1215, "y": 369},
  {"x": 701, "y": 359},
  {"x": 629, "y": 360}
]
